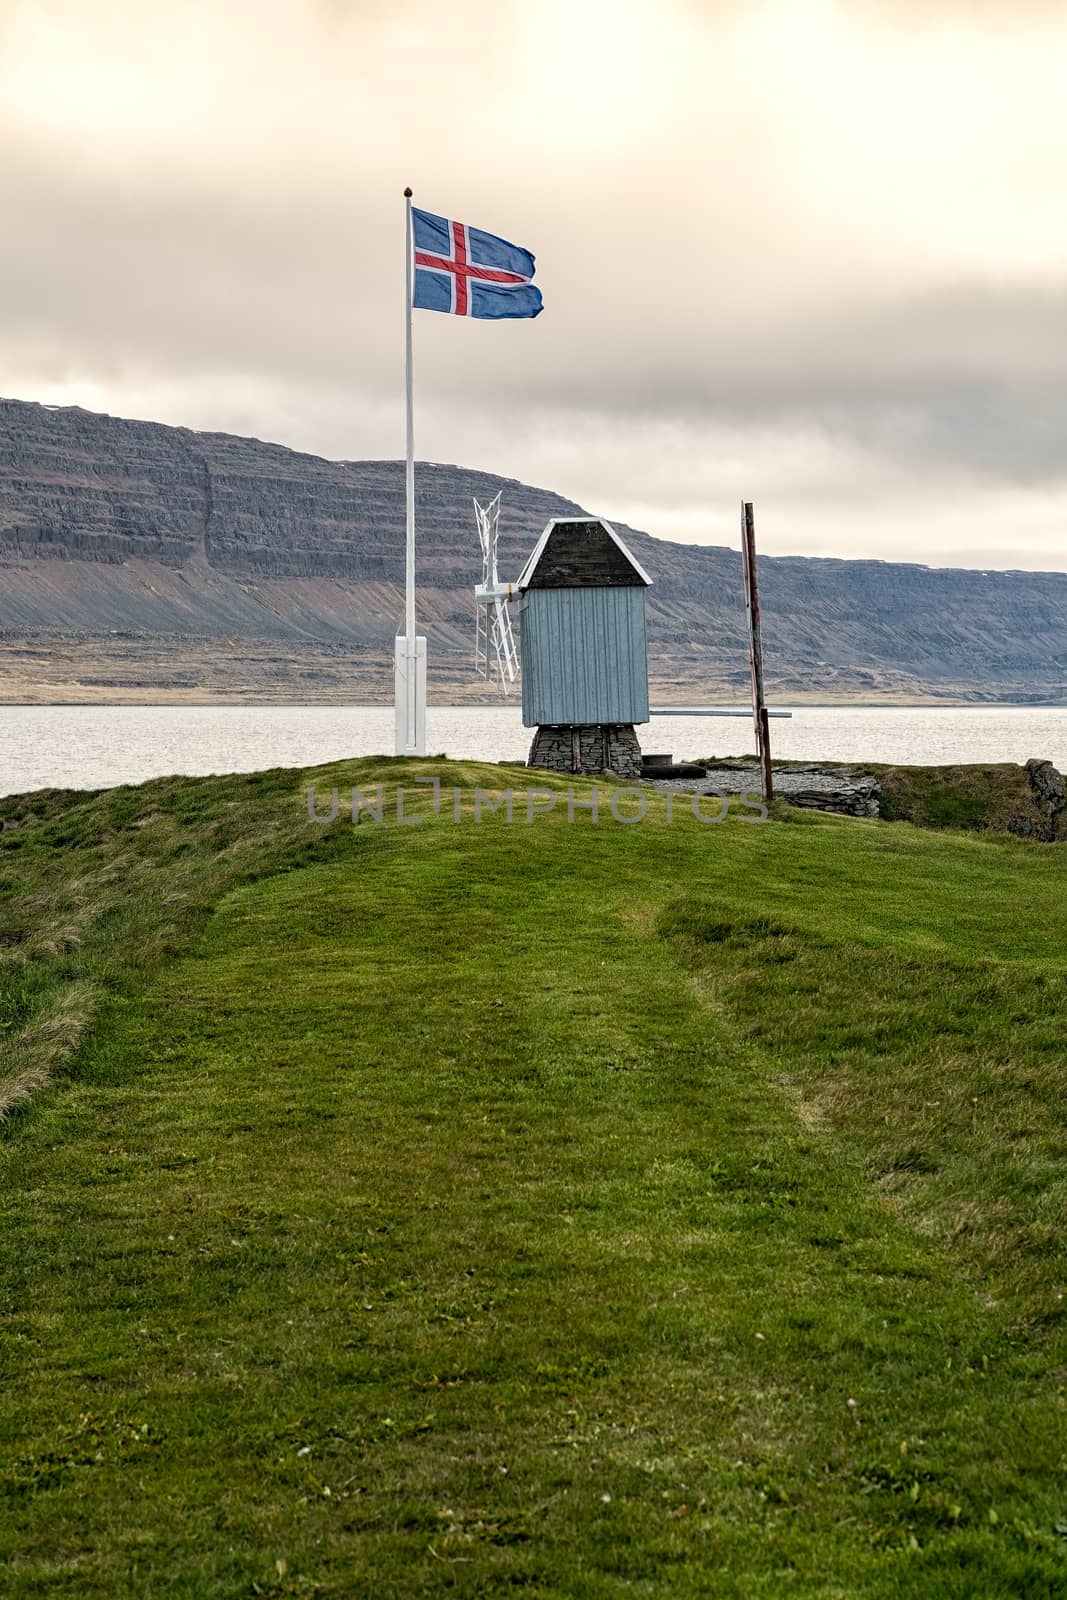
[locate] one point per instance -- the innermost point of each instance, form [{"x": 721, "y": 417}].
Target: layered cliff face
[
  {"x": 157, "y": 557},
  {"x": 77, "y": 486}
]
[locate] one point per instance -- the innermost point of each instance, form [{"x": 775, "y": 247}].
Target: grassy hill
[{"x": 567, "y": 1208}]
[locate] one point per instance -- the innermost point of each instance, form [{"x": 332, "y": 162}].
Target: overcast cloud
[{"x": 813, "y": 254}]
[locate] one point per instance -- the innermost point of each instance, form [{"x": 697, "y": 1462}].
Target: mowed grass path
[{"x": 568, "y": 1210}]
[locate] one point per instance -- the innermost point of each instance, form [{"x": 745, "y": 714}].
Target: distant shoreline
[{"x": 257, "y": 703}]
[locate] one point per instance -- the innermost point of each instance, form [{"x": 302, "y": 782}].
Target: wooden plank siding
[{"x": 584, "y": 655}]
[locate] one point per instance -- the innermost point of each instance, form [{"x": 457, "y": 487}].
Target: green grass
[
  {"x": 993, "y": 798},
  {"x": 567, "y": 1210}
]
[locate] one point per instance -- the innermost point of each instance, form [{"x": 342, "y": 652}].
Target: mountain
[{"x": 139, "y": 561}]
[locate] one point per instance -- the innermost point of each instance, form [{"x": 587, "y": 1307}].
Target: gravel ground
[
  {"x": 787, "y": 780},
  {"x": 812, "y": 786}
]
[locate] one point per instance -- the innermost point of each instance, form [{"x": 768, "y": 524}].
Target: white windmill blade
[
  {"x": 492, "y": 520},
  {"x": 487, "y": 518},
  {"x": 495, "y": 654},
  {"x": 481, "y": 639},
  {"x": 481, "y": 620},
  {"x": 483, "y": 531},
  {"x": 507, "y": 656}
]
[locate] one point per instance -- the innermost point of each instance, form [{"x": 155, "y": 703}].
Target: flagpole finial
[{"x": 407, "y": 194}]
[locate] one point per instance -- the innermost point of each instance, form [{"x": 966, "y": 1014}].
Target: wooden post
[{"x": 760, "y": 720}]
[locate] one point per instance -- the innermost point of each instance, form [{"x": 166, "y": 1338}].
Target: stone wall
[
  {"x": 1049, "y": 793},
  {"x": 588, "y": 747}
]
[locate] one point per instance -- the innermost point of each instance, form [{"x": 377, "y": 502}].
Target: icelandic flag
[{"x": 469, "y": 273}]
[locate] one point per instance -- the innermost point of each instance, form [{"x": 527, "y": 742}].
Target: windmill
[{"x": 495, "y": 655}]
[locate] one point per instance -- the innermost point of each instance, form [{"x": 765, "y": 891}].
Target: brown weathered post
[{"x": 760, "y": 720}]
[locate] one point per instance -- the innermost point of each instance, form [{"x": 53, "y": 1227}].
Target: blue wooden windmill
[{"x": 583, "y": 648}]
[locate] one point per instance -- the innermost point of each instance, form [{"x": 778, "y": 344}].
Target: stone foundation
[{"x": 588, "y": 747}]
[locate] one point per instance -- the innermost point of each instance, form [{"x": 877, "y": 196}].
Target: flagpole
[
  {"x": 410, "y": 672},
  {"x": 409, "y": 483}
]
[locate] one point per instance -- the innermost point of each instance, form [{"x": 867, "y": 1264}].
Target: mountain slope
[{"x": 141, "y": 560}]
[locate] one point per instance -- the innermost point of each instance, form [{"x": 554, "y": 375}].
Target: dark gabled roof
[{"x": 581, "y": 553}]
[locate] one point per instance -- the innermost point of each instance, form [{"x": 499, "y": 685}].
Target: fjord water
[{"x": 92, "y": 747}]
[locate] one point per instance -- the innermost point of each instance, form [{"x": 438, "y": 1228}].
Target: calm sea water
[{"x": 91, "y": 747}]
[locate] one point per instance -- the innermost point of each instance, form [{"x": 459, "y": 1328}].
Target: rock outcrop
[
  {"x": 1050, "y": 800},
  {"x": 1029, "y": 801}
]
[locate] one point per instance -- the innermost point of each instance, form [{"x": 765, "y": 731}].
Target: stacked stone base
[{"x": 588, "y": 747}]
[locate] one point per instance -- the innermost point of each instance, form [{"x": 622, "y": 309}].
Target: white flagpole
[
  {"x": 410, "y": 679},
  {"x": 409, "y": 295}
]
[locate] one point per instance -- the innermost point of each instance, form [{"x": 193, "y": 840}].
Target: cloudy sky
[{"x": 808, "y": 252}]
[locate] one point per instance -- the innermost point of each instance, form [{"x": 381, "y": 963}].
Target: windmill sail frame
[{"x": 496, "y": 656}]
